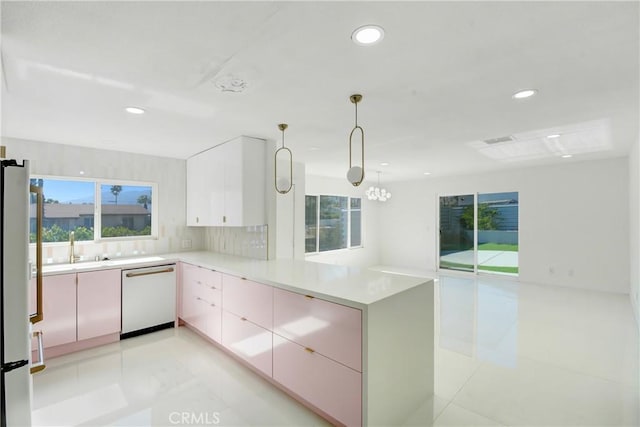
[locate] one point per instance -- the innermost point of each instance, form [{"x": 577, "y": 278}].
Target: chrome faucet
[{"x": 72, "y": 253}]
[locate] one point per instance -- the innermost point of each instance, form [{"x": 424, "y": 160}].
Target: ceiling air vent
[{"x": 498, "y": 140}]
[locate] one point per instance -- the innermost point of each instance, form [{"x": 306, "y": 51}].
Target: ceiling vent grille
[{"x": 499, "y": 140}]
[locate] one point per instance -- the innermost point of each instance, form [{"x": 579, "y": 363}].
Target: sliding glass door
[
  {"x": 457, "y": 225},
  {"x": 498, "y": 232},
  {"x": 480, "y": 232}
]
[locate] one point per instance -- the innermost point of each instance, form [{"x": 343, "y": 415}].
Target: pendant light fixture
[
  {"x": 355, "y": 174},
  {"x": 378, "y": 193},
  {"x": 283, "y": 185}
]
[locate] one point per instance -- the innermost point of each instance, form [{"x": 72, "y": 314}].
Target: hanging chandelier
[
  {"x": 378, "y": 193},
  {"x": 355, "y": 174}
]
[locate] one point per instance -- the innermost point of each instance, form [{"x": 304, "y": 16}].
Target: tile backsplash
[{"x": 248, "y": 242}]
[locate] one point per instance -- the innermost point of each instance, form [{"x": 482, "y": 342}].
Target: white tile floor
[{"x": 506, "y": 354}]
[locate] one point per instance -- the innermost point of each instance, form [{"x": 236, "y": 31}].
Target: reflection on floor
[{"x": 507, "y": 353}]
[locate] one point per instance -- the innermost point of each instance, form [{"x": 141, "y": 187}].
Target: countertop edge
[{"x": 198, "y": 258}]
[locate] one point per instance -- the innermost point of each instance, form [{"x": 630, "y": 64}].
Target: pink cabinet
[
  {"x": 99, "y": 303},
  {"x": 79, "y": 306},
  {"x": 59, "y": 307},
  {"x": 201, "y": 300},
  {"x": 248, "y": 341},
  {"x": 190, "y": 310},
  {"x": 333, "y": 330},
  {"x": 248, "y": 299},
  {"x": 330, "y": 386}
]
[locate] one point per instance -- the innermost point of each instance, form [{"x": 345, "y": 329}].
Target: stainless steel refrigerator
[{"x": 15, "y": 278}]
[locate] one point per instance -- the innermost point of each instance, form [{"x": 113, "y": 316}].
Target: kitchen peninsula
[{"x": 354, "y": 344}]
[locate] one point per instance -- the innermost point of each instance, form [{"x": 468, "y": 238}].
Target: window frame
[
  {"x": 348, "y": 220},
  {"x": 97, "y": 208}
]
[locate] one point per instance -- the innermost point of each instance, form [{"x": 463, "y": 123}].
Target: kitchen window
[
  {"x": 95, "y": 209},
  {"x": 332, "y": 223}
]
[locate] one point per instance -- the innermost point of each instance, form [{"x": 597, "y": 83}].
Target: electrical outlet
[{"x": 186, "y": 244}]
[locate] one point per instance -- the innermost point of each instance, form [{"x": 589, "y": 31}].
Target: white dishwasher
[{"x": 148, "y": 299}]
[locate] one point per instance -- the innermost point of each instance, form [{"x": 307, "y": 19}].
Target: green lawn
[
  {"x": 510, "y": 270},
  {"x": 498, "y": 247}
]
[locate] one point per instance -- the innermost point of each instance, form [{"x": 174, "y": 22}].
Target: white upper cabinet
[{"x": 226, "y": 184}]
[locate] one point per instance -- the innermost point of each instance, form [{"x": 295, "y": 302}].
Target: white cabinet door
[
  {"x": 226, "y": 184},
  {"x": 197, "y": 176},
  {"x": 233, "y": 182},
  {"x": 215, "y": 163}
]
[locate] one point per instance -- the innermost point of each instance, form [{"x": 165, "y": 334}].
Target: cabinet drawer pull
[
  {"x": 213, "y": 287},
  {"x": 199, "y": 282},
  {"x": 244, "y": 319},
  {"x": 309, "y": 296},
  {"x": 309, "y": 350},
  {"x": 243, "y": 278},
  {"x": 213, "y": 305},
  {"x": 198, "y": 298}
]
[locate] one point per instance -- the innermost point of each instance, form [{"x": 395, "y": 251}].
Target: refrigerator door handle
[
  {"x": 39, "y": 366},
  {"x": 38, "y": 316}
]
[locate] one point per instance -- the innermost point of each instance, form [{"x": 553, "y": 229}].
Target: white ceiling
[{"x": 437, "y": 85}]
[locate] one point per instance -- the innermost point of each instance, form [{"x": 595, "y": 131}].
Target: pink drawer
[
  {"x": 213, "y": 320},
  {"x": 199, "y": 283},
  {"x": 251, "y": 300},
  {"x": 189, "y": 301},
  {"x": 333, "y": 330},
  {"x": 213, "y": 296},
  {"x": 189, "y": 273},
  {"x": 247, "y": 340},
  {"x": 210, "y": 279},
  {"x": 328, "y": 385}
]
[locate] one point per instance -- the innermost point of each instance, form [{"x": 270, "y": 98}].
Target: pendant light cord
[{"x": 356, "y": 114}]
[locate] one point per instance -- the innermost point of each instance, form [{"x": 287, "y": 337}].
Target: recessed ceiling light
[
  {"x": 367, "y": 35},
  {"x": 555, "y": 135},
  {"x": 526, "y": 93},
  {"x": 567, "y": 156},
  {"x": 313, "y": 148},
  {"x": 81, "y": 172},
  {"x": 427, "y": 173},
  {"x": 134, "y": 110},
  {"x": 384, "y": 164}
]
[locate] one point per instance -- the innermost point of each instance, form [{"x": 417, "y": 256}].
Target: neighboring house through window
[{"x": 95, "y": 210}]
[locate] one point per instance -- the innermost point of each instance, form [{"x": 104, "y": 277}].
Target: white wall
[
  {"x": 290, "y": 215},
  {"x": 369, "y": 254},
  {"x": 573, "y": 219},
  {"x": 634, "y": 229},
  {"x": 169, "y": 174}
]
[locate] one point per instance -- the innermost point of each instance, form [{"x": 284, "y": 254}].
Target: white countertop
[
  {"x": 123, "y": 263},
  {"x": 352, "y": 286}
]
